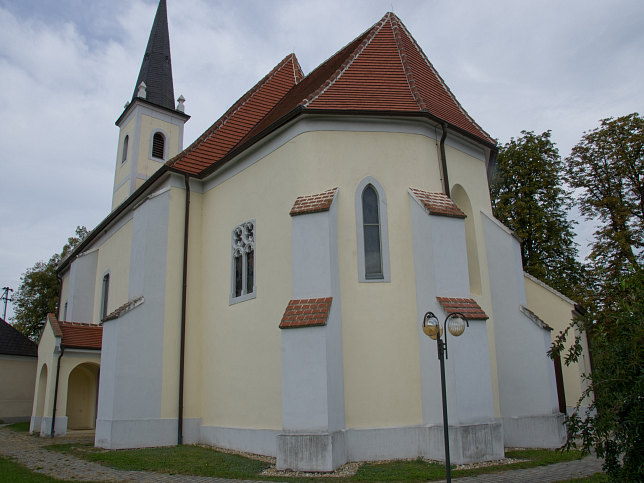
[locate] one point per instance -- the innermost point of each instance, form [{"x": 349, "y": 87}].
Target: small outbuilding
[{"x": 18, "y": 358}]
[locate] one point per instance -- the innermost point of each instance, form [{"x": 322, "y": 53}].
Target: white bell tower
[{"x": 151, "y": 125}]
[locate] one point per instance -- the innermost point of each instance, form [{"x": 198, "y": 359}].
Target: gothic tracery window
[{"x": 243, "y": 249}]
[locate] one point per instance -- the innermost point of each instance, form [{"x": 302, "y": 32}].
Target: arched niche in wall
[{"x": 463, "y": 202}]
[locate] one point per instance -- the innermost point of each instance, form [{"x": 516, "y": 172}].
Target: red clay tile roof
[
  {"x": 468, "y": 307},
  {"x": 382, "y": 71},
  {"x": 227, "y": 132},
  {"x": 306, "y": 313},
  {"x": 437, "y": 203},
  {"x": 313, "y": 203},
  {"x": 81, "y": 336}
]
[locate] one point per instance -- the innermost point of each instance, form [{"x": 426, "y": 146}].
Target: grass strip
[
  {"x": 201, "y": 461},
  {"x": 186, "y": 460},
  {"x": 421, "y": 470}
]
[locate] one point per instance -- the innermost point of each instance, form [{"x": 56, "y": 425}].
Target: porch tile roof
[
  {"x": 468, "y": 307},
  {"x": 306, "y": 313},
  {"x": 77, "y": 335}
]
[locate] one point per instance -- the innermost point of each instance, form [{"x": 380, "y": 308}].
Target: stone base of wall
[
  {"x": 547, "y": 431},
  {"x": 311, "y": 452},
  {"x": 135, "y": 433},
  {"x": 468, "y": 443},
  {"x": 42, "y": 425},
  {"x": 326, "y": 451}
]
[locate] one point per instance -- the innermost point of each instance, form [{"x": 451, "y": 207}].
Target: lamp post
[{"x": 455, "y": 322}]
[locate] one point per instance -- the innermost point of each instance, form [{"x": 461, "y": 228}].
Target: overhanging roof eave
[{"x": 300, "y": 110}]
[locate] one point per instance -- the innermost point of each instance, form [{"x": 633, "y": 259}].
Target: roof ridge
[
  {"x": 62, "y": 323},
  {"x": 232, "y": 110},
  {"x": 402, "y": 53},
  {"x": 298, "y": 73},
  {"x": 372, "y": 32},
  {"x": 55, "y": 327},
  {"x": 440, "y": 79}
]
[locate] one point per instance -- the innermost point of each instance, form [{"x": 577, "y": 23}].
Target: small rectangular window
[{"x": 105, "y": 295}]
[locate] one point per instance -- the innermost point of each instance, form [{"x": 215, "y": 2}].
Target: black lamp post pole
[
  {"x": 441, "y": 358},
  {"x": 455, "y": 322}
]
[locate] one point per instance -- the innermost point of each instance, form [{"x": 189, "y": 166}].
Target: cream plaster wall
[
  {"x": 120, "y": 195},
  {"x": 18, "y": 376},
  {"x": 123, "y": 169},
  {"x": 113, "y": 257},
  {"x": 382, "y": 377},
  {"x": 172, "y": 319},
  {"x": 146, "y": 165},
  {"x": 556, "y": 310},
  {"x": 198, "y": 352}
]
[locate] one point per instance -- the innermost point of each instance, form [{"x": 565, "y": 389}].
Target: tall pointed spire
[{"x": 156, "y": 68}]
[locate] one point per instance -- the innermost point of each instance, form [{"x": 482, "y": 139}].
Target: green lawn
[
  {"x": 16, "y": 473},
  {"x": 200, "y": 461},
  {"x": 21, "y": 427}
]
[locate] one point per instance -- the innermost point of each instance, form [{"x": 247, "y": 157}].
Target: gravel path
[{"x": 28, "y": 450}]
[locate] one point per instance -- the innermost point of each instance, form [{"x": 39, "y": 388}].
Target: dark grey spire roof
[
  {"x": 14, "y": 343},
  {"x": 156, "y": 68}
]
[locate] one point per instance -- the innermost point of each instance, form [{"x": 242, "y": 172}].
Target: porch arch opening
[
  {"x": 42, "y": 390},
  {"x": 82, "y": 396}
]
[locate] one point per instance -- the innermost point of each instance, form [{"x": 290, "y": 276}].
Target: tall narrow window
[
  {"x": 243, "y": 263},
  {"x": 126, "y": 141},
  {"x": 371, "y": 231},
  {"x": 105, "y": 295},
  {"x": 158, "y": 145}
]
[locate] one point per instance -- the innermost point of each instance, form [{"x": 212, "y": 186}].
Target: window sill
[{"x": 242, "y": 298}]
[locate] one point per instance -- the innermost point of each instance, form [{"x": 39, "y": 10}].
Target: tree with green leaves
[
  {"x": 37, "y": 294},
  {"x": 607, "y": 168},
  {"x": 529, "y": 197},
  {"x": 610, "y": 414}
]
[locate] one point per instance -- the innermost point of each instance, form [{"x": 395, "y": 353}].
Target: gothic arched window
[
  {"x": 371, "y": 233},
  {"x": 373, "y": 240}
]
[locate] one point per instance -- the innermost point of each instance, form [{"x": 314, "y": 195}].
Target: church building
[{"x": 264, "y": 288}]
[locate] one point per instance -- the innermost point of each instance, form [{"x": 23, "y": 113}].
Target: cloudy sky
[{"x": 68, "y": 66}]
